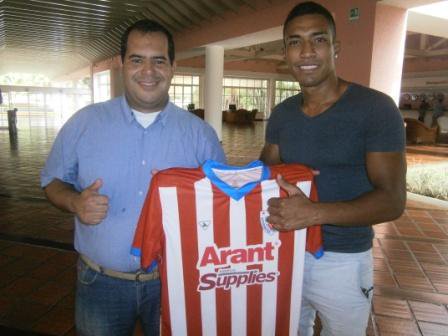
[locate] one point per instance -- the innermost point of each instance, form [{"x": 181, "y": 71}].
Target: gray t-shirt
[{"x": 335, "y": 142}]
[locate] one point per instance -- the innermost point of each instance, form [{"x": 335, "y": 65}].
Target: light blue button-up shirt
[{"x": 105, "y": 141}]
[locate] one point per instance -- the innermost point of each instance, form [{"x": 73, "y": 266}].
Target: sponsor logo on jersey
[
  {"x": 229, "y": 279},
  {"x": 226, "y": 267}
]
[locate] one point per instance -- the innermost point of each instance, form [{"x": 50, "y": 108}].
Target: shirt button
[
  {"x": 143, "y": 162},
  {"x": 140, "y": 192}
]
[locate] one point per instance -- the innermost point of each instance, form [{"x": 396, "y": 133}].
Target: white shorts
[{"x": 339, "y": 287}]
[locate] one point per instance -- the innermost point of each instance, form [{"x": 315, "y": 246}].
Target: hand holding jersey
[
  {"x": 291, "y": 213},
  {"x": 90, "y": 206}
]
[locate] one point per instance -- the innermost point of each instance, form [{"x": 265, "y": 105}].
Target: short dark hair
[
  {"x": 309, "y": 8},
  {"x": 147, "y": 26}
]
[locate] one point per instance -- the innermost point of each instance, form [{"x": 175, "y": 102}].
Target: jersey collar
[{"x": 235, "y": 193}]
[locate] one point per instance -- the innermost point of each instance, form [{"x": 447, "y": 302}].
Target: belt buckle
[{"x": 139, "y": 273}]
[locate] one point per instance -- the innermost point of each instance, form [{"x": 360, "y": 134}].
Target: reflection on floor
[{"x": 37, "y": 261}]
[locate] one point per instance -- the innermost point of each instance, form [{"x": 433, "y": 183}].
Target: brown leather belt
[{"x": 137, "y": 276}]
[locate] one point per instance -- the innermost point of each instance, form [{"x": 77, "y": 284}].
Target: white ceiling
[
  {"x": 40, "y": 36},
  {"x": 408, "y": 3},
  {"x": 53, "y": 37},
  {"x": 429, "y": 25}
]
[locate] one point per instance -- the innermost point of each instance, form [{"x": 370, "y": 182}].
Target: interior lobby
[{"x": 229, "y": 55}]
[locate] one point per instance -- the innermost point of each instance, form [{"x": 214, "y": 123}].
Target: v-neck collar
[{"x": 235, "y": 193}]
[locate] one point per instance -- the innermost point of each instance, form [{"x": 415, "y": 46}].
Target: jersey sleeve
[
  {"x": 385, "y": 127},
  {"x": 314, "y": 239},
  {"x": 148, "y": 238}
]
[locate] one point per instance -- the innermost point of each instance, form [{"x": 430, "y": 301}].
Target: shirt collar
[{"x": 162, "y": 117}]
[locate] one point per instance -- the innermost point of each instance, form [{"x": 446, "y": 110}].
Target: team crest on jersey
[
  {"x": 266, "y": 226},
  {"x": 205, "y": 224}
]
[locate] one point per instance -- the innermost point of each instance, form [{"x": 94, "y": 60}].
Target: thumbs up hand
[
  {"x": 291, "y": 189},
  {"x": 293, "y": 212},
  {"x": 90, "y": 206}
]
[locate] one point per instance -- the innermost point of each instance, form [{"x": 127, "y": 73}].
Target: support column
[
  {"x": 92, "y": 89},
  {"x": 271, "y": 98},
  {"x": 214, "y": 69},
  {"x": 388, "y": 49}
]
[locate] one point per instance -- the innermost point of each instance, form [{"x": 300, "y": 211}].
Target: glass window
[
  {"x": 285, "y": 89},
  {"x": 184, "y": 90},
  {"x": 247, "y": 93},
  {"x": 101, "y": 84}
]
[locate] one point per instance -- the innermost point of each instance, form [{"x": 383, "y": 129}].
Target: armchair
[{"x": 418, "y": 133}]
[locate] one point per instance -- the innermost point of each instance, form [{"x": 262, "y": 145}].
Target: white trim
[
  {"x": 174, "y": 261},
  {"x": 269, "y": 297},
  {"x": 428, "y": 202},
  {"x": 298, "y": 269},
  {"x": 238, "y": 239},
  {"x": 205, "y": 236}
]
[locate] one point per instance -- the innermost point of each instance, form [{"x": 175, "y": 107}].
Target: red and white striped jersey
[{"x": 224, "y": 270}]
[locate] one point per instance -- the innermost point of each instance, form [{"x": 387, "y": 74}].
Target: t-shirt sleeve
[
  {"x": 385, "y": 127},
  {"x": 148, "y": 238},
  {"x": 314, "y": 236}
]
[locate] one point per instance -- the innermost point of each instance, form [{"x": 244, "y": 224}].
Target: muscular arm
[
  {"x": 270, "y": 154},
  {"x": 88, "y": 205},
  {"x": 385, "y": 202}
]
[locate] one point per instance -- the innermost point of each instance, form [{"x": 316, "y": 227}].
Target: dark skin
[{"x": 310, "y": 53}]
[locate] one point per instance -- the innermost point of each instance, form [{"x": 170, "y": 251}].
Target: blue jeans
[
  {"x": 108, "y": 306},
  {"x": 339, "y": 287}
]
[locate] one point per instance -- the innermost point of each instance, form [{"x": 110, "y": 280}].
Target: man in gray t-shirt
[{"x": 354, "y": 137}]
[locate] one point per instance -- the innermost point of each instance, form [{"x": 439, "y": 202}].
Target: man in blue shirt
[
  {"x": 354, "y": 137},
  {"x": 100, "y": 168}
]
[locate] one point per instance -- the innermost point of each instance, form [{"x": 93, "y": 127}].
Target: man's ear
[
  {"x": 337, "y": 47},
  {"x": 174, "y": 66}
]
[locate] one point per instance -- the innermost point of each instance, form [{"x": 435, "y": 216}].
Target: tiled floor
[{"x": 37, "y": 261}]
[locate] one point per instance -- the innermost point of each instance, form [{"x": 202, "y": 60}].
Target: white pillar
[
  {"x": 92, "y": 89},
  {"x": 388, "y": 50},
  {"x": 271, "y": 98},
  {"x": 214, "y": 69}
]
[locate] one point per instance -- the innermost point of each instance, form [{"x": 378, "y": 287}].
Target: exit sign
[{"x": 353, "y": 14}]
